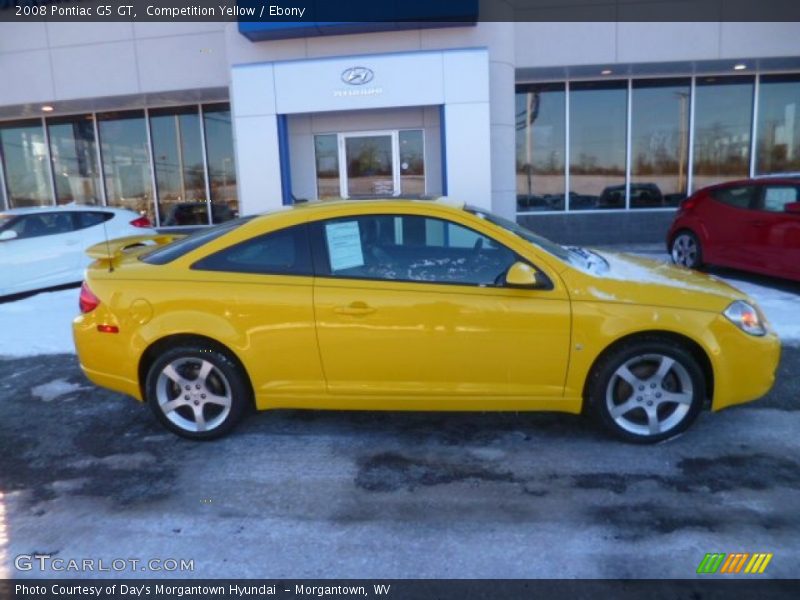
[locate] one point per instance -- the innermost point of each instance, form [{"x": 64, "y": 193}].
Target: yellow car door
[{"x": 413, "y": 310}]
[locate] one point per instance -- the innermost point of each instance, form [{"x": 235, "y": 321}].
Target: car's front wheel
[
  {"x": 195, "y": 392},
  {"x": 647, "y": 391},
  {"x": 686, "y": 250}
]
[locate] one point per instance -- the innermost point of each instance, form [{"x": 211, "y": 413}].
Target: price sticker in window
[{"x": 344, "y": 245}]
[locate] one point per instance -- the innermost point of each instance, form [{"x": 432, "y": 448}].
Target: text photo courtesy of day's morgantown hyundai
[{"x": 418, "y": 300}]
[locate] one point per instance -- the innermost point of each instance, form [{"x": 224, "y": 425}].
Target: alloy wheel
[
  {"x": 649, "y": 394},
  {"x": 193, "y": 394},
  {"x": 685, "y": 250}
]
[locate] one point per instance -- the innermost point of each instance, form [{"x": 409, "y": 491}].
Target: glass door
[{"x": 368, "y": 167}]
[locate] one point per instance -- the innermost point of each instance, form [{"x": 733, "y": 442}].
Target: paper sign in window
[{"x": 344, "y": 245}]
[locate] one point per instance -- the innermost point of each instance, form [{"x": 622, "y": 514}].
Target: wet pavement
[{"x": 87, "y": 473}]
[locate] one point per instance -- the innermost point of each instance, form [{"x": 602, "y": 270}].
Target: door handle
[{"x": 354, "y": 309}]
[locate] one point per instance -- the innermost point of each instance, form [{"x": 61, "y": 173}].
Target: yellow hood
[{"x": 632, "y": 279}]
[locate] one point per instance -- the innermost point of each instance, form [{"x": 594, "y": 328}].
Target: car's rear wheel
[
  {"x": 647, "y": 391},
  {"x": 198, "y": 393},
  {"x": 686, "y": 250}
]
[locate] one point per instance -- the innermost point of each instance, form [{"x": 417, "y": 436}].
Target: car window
[
  {"x": 91, "y": 218},
  {"x": 42, "y": 224},
  {"x": 283, "y": 252},
  {"x": 6, "y": 220},
  {"x": 776, "y": 197},
  {"x": 412, "y": 248},
  {"x": 166, "y": 254},
  {"x": 738, "y": 197}
]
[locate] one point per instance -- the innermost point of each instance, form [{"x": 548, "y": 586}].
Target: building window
[
  {"x": 24, "y": 162},
  {"x": 540, "y": 147},
  {"x": 126, "y": 161},
  {"x": 178, "y": 162},
  {"x": 412, "y": 162},
  {"x": 659, "y": 142},
  {"x": 326, "y": 156},
  {"x": 370, "y": 164},
  {"x": 778, "y": 141},
  {"x": 597, "y": 142},
  {"x": 73, "y": 151},
  {"x": 722, "y": 125},
  {"x": 221, "y": 162}
]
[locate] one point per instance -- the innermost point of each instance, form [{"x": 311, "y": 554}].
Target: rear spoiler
[{"x": 113, "y": 249}]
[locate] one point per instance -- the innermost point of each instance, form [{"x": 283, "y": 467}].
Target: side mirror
[
  {"x": 522, "y": 275},
  {"x": 8, "y": 234},
  {"x": 792, "y": 208}
]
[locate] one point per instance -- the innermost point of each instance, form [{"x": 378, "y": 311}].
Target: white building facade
[{"x": 589, "y": 132}]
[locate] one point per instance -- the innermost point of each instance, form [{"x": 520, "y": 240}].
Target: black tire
[
  {"x": 686, "y": 250},
  {"x": 176, "y": 406},
  {"x": 636, "y": 394}
]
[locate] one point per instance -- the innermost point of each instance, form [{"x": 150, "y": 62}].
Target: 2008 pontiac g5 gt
[{"x": 412, "y": 305}]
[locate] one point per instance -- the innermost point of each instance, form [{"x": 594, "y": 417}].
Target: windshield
[
  {"x": 577, "y": 257},
  {"x": 165, "y": 254}
]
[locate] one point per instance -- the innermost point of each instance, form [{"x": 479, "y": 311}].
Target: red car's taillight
[
  {"x": 141, "y": 222},
  {"x": 689, "y": 204},
  {"x": 87, "y": 301}
]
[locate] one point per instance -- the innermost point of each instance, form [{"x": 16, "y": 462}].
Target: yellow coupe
[{"x": 412, "y": 305}]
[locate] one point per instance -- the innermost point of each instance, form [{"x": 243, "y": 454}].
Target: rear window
[
  {"x": 166, "y": 254},
  {"x": 90, "y": 219}
]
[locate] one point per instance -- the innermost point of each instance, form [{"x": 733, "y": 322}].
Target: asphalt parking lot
[{"x": 86, "y": 473}]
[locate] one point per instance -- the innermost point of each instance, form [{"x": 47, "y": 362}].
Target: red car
[{"x": 752, "y": 225}]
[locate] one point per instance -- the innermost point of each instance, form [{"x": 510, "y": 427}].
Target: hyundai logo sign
[{"x": 357, "y": 75}]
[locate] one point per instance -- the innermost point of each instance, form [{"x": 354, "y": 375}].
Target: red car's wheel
[{"x": 686, "y": 250}]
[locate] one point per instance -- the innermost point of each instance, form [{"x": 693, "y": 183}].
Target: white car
[{"x": 44, "y": 247}]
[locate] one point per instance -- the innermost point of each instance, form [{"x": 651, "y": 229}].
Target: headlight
[{"x": 746, "y": 317}]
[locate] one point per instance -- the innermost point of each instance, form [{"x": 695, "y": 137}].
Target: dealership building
[{"x": 589, "y": 132}]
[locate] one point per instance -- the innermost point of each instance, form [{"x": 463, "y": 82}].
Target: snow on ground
[
  {"x": 40, "y": 324},
  {"x": 47, "y": 392}
]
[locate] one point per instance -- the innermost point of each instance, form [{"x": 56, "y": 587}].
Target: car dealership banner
[
  {"x": 338, "y": 16},
  {"x": 395, "y": 589}
]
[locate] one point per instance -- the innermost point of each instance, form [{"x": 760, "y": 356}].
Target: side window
[
  {"x": 38, "y": 225},
  {"x": 91, "y": 218},
  {"x": 282, "y": 252},
  {"x": 413, "y": 248},
  {"x": 776, "y": 197},
  {"x": 738, "y": 197}
]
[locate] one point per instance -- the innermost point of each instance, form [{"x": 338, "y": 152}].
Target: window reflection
[
  {"x": 221, "y": 162},
  {"x": 540, "y": 147},
  {"x": 370, "y": 166},
  {"x": 24, "y": 156},
  {"x": 778, "y": 143},
  {"x": 74, "y": 155},
  {"x": 597, "y": 130},
  {"x": 178, "y": 160},
  {"x": 659, "y": 142},
  {"x": 412, "y": 162},
  {"x": 326, "y": 154},
  {"x": 723, "y": 112},
  {"x": 126, "y": 162}
]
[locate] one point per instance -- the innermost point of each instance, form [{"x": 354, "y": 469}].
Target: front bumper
[{"x": 744, "y": 365}]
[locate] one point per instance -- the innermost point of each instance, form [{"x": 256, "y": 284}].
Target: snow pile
[
  {"x": 40, "y": 324},
  {"x": 47, "y": 392}
]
